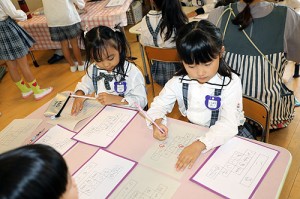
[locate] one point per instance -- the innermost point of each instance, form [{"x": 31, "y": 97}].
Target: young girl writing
[
  {"x": 109, "y": 75},
  {"x": 208, "y": 94},
  {"x": 34, "y": 172},
  {"x": 14, "y": 46},
  {"x": 159, "y": 28},
  {"x": 64, "y": 26}
]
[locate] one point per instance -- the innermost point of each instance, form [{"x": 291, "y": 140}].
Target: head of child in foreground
[
  {"x": 34, "y": 172},
  {"x": 200, "y": 47},
  {"x": 107, "y": 48}
]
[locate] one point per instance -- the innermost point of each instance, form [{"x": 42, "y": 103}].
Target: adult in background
[{"x": 259, "y": 38}]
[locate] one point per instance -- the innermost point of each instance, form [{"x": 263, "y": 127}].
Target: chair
[
  {"x": 160, "y": 54},
  {"x": 258, "y": 112}
]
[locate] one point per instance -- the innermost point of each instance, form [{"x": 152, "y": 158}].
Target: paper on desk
[
  {"x": 15, "y": 134},
  {"x": 143, "y": 182},
  {"x": 68, "y": 121},
  {"x": 162, "y": 155},
  {"x": 101, "y": 174},
  {"x": 112, "y": 3},
  {"x": 106, "y": 126},
  {"x": 59, "y": 138},
  {"x": 240, "y": 164}
]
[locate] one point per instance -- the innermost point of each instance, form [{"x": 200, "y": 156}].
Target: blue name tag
[
  {"x": 120, "y": 87},
  {"x": 212, "y": 102}
]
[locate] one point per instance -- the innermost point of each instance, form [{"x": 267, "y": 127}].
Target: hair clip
[{"x": 86, "y": 30}]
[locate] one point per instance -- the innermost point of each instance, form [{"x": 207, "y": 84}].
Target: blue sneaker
[{"x": 297, "y": 103}]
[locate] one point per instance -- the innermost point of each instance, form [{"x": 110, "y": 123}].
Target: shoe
[
  {"x": 297, "y": 103},
  {"x": 73, "y": 68},
  {"x": 55, "y": 58},
  {"x": 81, "y": 67},
  {"x": 45, "y": 92},
  {"x": 27, "y": 94}
]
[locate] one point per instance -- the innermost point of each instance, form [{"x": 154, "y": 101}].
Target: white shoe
[
  {"x": 45, "y": 92},
  {"x": 73, "y": 68},
  {"x": 27, "y": 94},
  {"x": 81, "y": 67}
]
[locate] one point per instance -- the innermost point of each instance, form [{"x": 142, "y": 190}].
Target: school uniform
[
  {"x": 130, "y": 85},
  {"x": 14, "y": 40},
  {"x": 62, "y": 18},
  {"x": 151, "y": 36},
  {"x": 199, "y": 110},
  {"x": 279, "y": 42}
]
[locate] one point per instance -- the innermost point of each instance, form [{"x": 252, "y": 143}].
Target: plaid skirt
[
  {"x": 162, "y": 72},
  {"x": 65, "y": 32},
  {"x": 14, "y": 40}
]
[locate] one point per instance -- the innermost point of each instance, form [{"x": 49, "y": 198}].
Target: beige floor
[{"x": 12, "y": 106}]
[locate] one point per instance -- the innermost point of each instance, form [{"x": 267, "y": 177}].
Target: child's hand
[
  {"x": 107, "y": 99},
  {"x": 77, "y": 106},
  {"x": 157, "y": 134},
  {"x": 189, "y": 155}
]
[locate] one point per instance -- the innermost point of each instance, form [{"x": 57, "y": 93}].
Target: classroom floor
[{"x": 58, "y": 75}]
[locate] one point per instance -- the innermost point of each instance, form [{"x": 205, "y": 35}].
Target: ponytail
[{"x": 244, "y": 18}]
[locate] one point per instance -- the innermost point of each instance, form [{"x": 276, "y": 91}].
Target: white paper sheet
[
  {"x": 145, "y": 183},
  {"x": 236, "y": 168},
  {"x": 162, "y": 155},
  {"x": 67, "y": 120},
  {"x": 59, "y": 138},
  {"x": 112, "y": 3},
  {"x": 106, "y": 126},
  {"x": 15, "y": 134},
  {"x": 97, "y": 178}
]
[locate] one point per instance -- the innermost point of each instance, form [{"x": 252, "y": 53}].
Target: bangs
[
  {"x": 100, "y": 49},
  {"x": 197, "y": 48}
]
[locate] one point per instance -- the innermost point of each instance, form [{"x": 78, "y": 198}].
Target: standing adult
[{"x": 259, "y": 38}]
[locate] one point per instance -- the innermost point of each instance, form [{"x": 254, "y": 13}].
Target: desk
[
  {"x": 127, "y": 145},
  {"x": 97, "y": 14}
]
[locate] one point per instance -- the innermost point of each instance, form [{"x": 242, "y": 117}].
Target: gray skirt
[
  {"x": 62, "y": 33},
  {"x": 14, "y": 40}
]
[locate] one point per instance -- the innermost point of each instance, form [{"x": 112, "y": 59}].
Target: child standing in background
[
  {"x": 109, "y": 75},
  {"x": 14, "y": 46},
  {"x": 206, "y": 90},
  {"x": 64, "y": 26},
  {"x": 159, "y": 28}
]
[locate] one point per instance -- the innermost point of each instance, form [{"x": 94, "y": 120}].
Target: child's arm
[
  {"x": 108, "y": 99},
  {"x": 189, "y": 155},
  {"x": 9, "y": 8}
]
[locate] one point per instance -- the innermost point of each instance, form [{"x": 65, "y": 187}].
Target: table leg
[{"x": 296, "y": 72}]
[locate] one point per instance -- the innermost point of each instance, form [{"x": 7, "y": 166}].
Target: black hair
[
  {"x": 99, "y": 38},
  {"x": 244, "y": 18},
  {"x": 172, "y": 15},
  {"x": 201, "y": 42},
  {"x": 224, "y": 3},
  {"x": 33, "y": 172}
]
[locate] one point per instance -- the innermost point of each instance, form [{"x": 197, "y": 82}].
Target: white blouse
[
  {"x": 231, "y": 114},
  {"x": 7, "y": 9}
]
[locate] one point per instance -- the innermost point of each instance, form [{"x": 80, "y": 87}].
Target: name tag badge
[
  {"x": 120, "y": 87},
  {"x": 212, "y": 102}
]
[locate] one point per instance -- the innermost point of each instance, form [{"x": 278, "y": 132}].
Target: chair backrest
[
  {"x": 160, "y": 54},
  {"x": 259, "y": 112}
]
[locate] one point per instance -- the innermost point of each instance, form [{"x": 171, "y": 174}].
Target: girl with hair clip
[
  {"x": 34, "y": 172},
  {"x": 260, "y": 37},
  {"x": 159, "y": 28},
  {"x": 109, "y": 75},
  {"x": 206, "y": 90}
]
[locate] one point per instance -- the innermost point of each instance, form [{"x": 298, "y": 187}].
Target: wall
[{"x": 32, "y": 4}]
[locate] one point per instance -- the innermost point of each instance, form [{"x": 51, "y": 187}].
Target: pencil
[
  {"x": 148, "y": 117},
  {"x": 83, "y": 96},
  {"x": 62, "y": 108}
]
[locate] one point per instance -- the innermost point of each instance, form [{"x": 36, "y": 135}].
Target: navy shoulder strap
[{"x": 155, "y": 32}]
